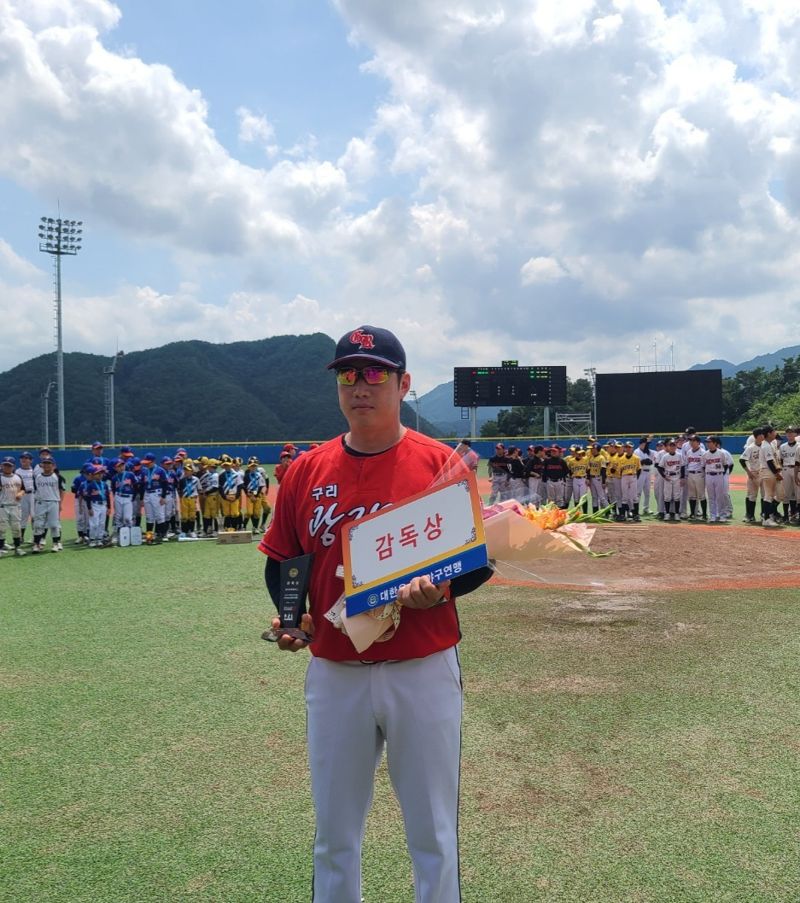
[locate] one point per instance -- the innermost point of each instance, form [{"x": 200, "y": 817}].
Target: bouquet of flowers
[{"x": 519, "y": 532}]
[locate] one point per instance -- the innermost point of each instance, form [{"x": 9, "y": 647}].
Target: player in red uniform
[{"x": 406, "y": 690}]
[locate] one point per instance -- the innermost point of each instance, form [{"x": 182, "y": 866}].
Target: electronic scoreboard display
[
  {"x": 509, "y": 385},
  {"x": 635, "y": 404}
]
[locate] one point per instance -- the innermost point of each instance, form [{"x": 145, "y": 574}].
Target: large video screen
[{"x": 633, "y": 404}]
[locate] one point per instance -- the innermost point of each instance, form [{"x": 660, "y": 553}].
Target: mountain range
[
  {"x": 767, "y": 361},
  {"x": 269, "y": 389}
]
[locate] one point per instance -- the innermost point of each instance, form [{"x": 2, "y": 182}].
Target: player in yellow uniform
[
  {"x": 597, "y": 463},
  {"x": 628, "y": 467},
  {"x": 612, "y": 475},
  {"x": 578, "y": 465}
]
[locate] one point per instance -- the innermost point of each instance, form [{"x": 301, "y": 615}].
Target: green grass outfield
[{"x": 615, "y": 749}]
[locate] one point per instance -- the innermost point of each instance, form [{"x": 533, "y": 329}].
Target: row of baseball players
[
  {"x": 30, "y": 494},
  {"x": 682, "y": 474},
  {"x": 176, "y": 497},
  {"x": 772, "y": 465}
]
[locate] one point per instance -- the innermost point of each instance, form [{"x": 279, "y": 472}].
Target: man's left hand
[{"x": 421, "y": 592}]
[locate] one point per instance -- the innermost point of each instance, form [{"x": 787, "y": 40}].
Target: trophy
[{"x": 295, "y": 574}]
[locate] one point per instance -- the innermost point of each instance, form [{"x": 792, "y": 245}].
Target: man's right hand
[{"x": 287, "y": 643}]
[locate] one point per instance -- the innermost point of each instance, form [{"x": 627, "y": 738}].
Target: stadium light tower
[
  {"x": 58, "y": 237},
  {"x": 591, "y": 374}
]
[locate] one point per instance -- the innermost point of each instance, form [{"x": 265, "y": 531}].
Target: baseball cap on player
[
  {"x": 126, "y": 452},
  {"x": 97, "y": 445},
  {"x": 9, "y": 460},
  {"x": 148, "y": 457},
  {"x": 369, "y": 343},
  {"x": 87, "y": 469},
  {"x": 27, "y": 455},
  {"x": 166, "y": 460}
]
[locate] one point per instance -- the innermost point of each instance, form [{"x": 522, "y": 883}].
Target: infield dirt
[{"x": 680, "y": 556}]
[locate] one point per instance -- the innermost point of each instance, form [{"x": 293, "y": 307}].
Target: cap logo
[{"x": 364, "y": 340}]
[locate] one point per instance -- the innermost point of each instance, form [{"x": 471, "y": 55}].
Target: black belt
[{"x": 366, "y": 661}]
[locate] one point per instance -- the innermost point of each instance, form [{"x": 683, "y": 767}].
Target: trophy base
[{"x": 272, "y": 635}]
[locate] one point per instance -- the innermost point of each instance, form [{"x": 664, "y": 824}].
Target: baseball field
[{"x": 635, "y": 739}]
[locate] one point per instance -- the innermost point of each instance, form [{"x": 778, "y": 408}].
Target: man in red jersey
[{"x": 406, "y": 690}]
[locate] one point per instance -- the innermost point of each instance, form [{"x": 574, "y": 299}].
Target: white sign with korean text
[{"x": 439, "y": 533}]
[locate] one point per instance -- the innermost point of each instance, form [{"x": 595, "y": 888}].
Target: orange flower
[{"x": 548, "y": 517}]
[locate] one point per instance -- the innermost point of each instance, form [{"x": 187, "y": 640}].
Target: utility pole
[
  {"x": 108, "y": 372},
  {"x": 412, "y": 393},
  {"x": 46, "y": 413}
]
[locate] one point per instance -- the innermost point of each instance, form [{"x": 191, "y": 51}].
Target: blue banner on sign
[{"x": 446, "y": 569}]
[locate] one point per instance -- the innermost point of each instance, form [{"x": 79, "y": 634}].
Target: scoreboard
[{"x": 509, "y": 385}]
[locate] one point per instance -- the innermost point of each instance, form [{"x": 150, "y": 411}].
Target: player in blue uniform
[{"x": 155, "y": 497}]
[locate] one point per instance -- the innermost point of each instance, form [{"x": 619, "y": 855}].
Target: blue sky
[{"x": 555, "y": 181}]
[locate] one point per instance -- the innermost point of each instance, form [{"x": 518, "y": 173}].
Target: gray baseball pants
[{"x": 413, "y": 708}]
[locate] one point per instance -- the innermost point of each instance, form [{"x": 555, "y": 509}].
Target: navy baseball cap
[
  {"x": 369, "y": 344},
  {"x": 148, "y": 457},
  {"x": 26, "y": 455},
  {"x": 135, "y": 462},
  {"x": 9, "y": 460},
  {"x": 166, "y": 460},
  {"x": 97, "y": 445},
  {"x": 126, "y": 451},
  {"x": 87, "y": 469}
]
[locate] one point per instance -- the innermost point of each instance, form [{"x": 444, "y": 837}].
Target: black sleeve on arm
[
  {"x": 467, "y": 583},
  {"x": 772, "y": 467},
  {"x": 272, "y": 577}
]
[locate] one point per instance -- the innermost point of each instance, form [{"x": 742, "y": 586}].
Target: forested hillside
[
  {"x": 195, "y": 391},
  {"x": 754, "y": 397}
]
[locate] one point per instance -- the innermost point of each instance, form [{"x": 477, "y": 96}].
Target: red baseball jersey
[{"x": 325, "y": 489}]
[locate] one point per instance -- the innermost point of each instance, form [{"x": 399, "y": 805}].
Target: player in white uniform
[
  {"x": 645, "y": 456},
  {"x": 769, "y": 476},
  {"x": 673, "y": 470},
  {"x": 11, "y": 494},
  {"x": 658, "y": 480},
  {"x": 749, "y": 459},
  {"x": 696, "y": 477},
  {"x": 49, "y": 490},
  {"x": 791, "y": 472},
  {"x": 25, "y": 473},
  {"x": 715, "y": 470},
  {"x": 727, "y": 509}
]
